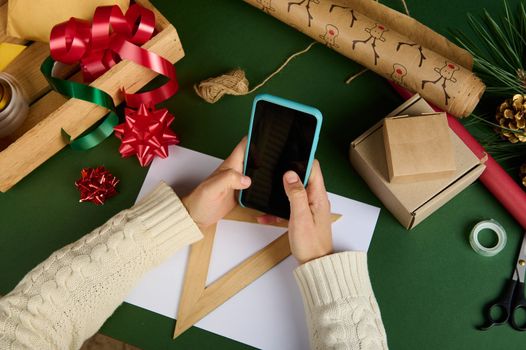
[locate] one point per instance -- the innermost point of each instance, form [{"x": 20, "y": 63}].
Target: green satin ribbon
[{"x": 85, "y": 93}]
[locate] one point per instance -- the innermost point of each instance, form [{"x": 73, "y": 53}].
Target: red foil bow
[
  {"x": 112, "y": 37},
  {"x": 146, "y": 134},
  {"x": 96, "y": 185}
]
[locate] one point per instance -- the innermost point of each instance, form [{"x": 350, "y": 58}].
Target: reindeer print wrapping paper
[{"x": 395, "y": 56}]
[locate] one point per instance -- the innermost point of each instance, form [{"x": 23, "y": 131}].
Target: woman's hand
[
  {"x": 215, "y": 197},
  {"x": 310, "y": 233}
]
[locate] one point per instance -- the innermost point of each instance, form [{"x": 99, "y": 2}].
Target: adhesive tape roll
[
  {"x": 13, "y": 114},
  {"x": 493, "y": 226},
  {"x": 5, "y": 95}
]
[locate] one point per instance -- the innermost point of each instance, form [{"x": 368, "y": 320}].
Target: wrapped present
[{"x": 33, "y": 20}]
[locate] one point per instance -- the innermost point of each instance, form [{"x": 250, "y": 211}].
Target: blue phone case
[{"x": 292, "y": 105}]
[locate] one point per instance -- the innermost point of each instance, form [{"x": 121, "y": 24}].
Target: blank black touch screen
[{"x": 281, "y": 140}]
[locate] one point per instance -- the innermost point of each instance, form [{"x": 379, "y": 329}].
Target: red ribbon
[{"x": 112, "y": 37}]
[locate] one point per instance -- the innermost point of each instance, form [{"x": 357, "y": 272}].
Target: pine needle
[
  {"x": 498, "y": 47},
  {"x": 498, "y": 51}
]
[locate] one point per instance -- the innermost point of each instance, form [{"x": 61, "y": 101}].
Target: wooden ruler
[{"x": 198, "y": 299}]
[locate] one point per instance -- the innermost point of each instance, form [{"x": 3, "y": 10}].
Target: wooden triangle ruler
[{"x": 198, "y": 299}]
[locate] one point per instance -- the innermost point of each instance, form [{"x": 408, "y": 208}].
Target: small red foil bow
[
  {"x": 96, "y": 185},
  {"x": 146, "y": 134},
  {"x": 111, "y": 37}
]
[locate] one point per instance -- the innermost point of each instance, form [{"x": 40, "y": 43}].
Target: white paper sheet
[{"x": 268, "y": 314}]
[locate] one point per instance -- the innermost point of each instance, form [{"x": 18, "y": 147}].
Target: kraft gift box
[{"x": 411, "y": 203}]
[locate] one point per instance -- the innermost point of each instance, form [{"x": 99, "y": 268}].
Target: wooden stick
[
  {"x": 251, "y": 215},
  {"x": 230, "y": 284},
  {"x": 197, "y": 300},
  {"x": 195, "y": 280},
  {"x": 102, "y": 342}
]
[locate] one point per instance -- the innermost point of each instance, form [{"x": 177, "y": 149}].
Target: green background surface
[{"x": 430, "y": 285}]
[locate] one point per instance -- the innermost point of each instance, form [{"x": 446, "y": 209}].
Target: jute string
[
  {"x": 406, "y": 8},
  {"x": 235, "y": 82}
]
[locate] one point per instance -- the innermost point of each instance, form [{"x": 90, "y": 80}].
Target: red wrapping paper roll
[{"x": 496, "y": 180}]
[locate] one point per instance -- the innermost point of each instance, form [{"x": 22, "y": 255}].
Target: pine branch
[{"x": 498, "y": 47}]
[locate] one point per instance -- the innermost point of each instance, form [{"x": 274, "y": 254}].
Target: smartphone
[{"x": 283, "y": 135}]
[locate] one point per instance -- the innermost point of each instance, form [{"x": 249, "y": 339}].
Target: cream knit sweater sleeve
[
  {"x": 66, "y": 299},
  {"x": 342, "y": 312}
]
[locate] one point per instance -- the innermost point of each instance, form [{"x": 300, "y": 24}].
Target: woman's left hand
[{"x": 215, "y": 197}]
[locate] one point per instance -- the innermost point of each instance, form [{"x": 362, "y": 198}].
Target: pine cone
[
  {"x": 511, "y": 114},
  {"x": 523, "y": 174}
]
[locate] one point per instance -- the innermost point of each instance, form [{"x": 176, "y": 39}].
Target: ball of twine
[
  {"x": 235, "y": 83},
  {"x": 231, "y": 83}
]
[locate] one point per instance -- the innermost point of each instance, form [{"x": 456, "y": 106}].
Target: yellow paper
[
  {"x": 8, "y": 53},
  {"x": 33, "y": 20}
]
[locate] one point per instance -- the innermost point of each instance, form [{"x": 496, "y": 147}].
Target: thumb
[
  {"x": 299, "y": 201},
  {"x": 229, "y": 180}
]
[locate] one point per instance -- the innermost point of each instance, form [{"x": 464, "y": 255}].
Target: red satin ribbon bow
[
  {"x": 146, "y": 134},
  {"x": 96, "y": 185},
  {"x": 112, "y": 37}
]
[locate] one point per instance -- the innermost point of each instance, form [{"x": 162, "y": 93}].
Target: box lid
[{"x": 418, "y": 148}]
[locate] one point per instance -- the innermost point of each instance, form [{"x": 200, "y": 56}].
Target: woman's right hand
[{"x": 310, "y": 233}]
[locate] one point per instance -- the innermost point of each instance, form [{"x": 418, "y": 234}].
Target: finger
[
  {"x": 228, "y": 180},
  {"x": 299, "y": 203},
  {"x": 269, "y": 219},
  {"x": 316, "y": 188},
  {"x": 235, "y": 159}
]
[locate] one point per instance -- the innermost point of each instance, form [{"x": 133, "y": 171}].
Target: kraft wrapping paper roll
[{"x": 399, "y": 57}]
